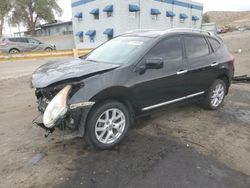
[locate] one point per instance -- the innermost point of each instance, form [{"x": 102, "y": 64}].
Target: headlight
[{"x": 57, "y": 108}]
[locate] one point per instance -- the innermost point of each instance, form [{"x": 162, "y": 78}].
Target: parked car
[
  {"x": 23, "y": 44},
  {"x": 222, "y": 29},
  {"x": 99, "y": 95}
]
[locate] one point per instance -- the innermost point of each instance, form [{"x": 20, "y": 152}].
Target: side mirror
[
  {"x": 154, "y": 63},
  {"x": 151, "y": 63}
]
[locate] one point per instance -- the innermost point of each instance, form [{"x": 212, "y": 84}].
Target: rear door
[
  {"x": 157, "y": 86},
  {"x": 201, "y": 63},
  {"x": 19, "y": 43}
]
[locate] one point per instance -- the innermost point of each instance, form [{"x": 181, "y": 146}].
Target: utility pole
[
  {"x": 172, "y": 18},
  {"x": 140, "y": 14}
]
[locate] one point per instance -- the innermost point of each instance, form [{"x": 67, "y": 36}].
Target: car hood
[{"x": 56, "y": 71}]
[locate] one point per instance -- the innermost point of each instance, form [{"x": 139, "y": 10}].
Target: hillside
[{"x": 230, "y": 18}]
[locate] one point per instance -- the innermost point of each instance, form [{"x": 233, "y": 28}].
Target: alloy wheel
[
  {"x": 110, "y": 126},
  {"x": 218, "y": 94}
]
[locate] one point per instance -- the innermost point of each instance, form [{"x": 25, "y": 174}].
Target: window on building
[
  {"x": 155, "y": 13},
  {"x": 195, "y": 19},
  {"x": 133, "y": 11},
  {"x": 109, "y": 10},
  {"x": 196, "y": 46},
  {"x": 81, "y": 39},
  {"x": 154, "y": 17},
  {"x": 183, "y": 17},
  {"x": 109, "y": 37},
  {"x": 133, "y": 15},
  {"x": 95, "y": 13},
  {"x": 109, "y": 14},
  {"x": 80, "y": 36},
  {"x": 96, "y": 16},
  {"x": 182, "y": 20},
  {"x": 78, "y": 16},
  {"x": 79, "y": 19}
]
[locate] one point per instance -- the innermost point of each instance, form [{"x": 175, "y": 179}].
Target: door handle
[
  {"x": 214, "y": 64},
  {"x": 181, "y": 72}
]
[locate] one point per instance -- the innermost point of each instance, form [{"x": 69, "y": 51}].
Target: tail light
[
  {"x": 3, "y": 43},
  {"x": 232, "y": 58}
]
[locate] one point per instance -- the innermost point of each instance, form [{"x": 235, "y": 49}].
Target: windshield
[{"x": 119, "y": 50}]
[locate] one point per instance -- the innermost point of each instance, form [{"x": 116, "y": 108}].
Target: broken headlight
[{"x": 56, "y": 108}]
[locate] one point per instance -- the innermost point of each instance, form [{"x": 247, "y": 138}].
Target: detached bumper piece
[
  {"x": 38, "y": 121},
  {"x": 243, "y": 78}
]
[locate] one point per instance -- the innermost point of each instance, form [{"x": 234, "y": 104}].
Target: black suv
[{"x": 100, "y": 94}]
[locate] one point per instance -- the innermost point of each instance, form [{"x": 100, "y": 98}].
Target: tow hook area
[{"x": 38, "y": 121}]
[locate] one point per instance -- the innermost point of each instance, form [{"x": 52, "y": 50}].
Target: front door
[
  {"x": 157, "y": 86},
  {"x": 34, "y": 45}
]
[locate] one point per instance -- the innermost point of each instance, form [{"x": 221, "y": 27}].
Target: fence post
[{"x": 75, "y": 53}]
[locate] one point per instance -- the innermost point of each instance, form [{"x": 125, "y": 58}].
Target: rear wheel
[
  {"x": 14, "y": 51},
  {"x": 215, "y": 95},
  {"x": 107, "y": 124},
  {"x": 48, "y": 49}
]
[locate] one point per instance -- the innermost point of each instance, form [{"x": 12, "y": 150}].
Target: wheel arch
[
  {"x": 226, "y": 79},
  {"x": 14, "y": 48},
  {"x": 118, "y": 93}
]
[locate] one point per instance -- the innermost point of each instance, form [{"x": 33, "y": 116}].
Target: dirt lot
[{"x": 155, "y": 153}]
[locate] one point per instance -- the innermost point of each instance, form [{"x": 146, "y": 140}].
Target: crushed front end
[{"x": 56, "y": 112}]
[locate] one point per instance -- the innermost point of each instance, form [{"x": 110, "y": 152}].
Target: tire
[
  {"x": 14, "y": 51},
  {"x": 107, "y": 124},
  {"x": 48, "y": 49},
  {"x": 215, "y": 95}
]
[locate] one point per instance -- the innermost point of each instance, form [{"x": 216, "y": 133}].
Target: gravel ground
[{"x": 178, "y": 146}]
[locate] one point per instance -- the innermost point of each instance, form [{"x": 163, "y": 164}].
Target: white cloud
[
  {"x": 225, "y": 5},
  {"x": 67, "y": 13}
]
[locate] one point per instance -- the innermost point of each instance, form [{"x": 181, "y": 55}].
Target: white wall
[
  {"x": 62, "y": 42},
  {"x": 122, "y": 20}
]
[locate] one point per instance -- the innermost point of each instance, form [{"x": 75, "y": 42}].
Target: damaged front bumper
[
  {"x": 72, "y": 122},
  {"x": 58, "y": 112},
  {"x": 39, "y": 122}
]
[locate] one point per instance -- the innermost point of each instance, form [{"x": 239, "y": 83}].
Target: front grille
[
  {"x": 42, "y": 104},
  {"x": 44, "y": 96}
]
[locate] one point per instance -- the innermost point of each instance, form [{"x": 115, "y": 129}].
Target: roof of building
[{"x": 56, "y": 24}]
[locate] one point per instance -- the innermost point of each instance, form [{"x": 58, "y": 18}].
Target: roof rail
[
  {"x": 137, "y": 30},
  {"x": 188, "y": 30}
]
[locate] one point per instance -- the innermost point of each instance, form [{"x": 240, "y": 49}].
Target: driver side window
[{"x": 168, "y": 49}]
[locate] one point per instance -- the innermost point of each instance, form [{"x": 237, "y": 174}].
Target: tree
[
  {"x": 205, "y": 18},
  {"x": 31, "y": 12},
  {"x": 5, "y": 7}
]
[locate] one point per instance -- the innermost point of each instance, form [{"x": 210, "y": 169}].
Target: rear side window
[
  {"x": 214, "y": 43},
  {"x": 18, "y": 40},
  {"x": 12, "y": 39},
  {"x": 169, "y": 49},
  {"x": 196, "y": 46}
]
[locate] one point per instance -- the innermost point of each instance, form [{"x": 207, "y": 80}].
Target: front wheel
[
  {"x": 107, "y": 124},
  {"x": 215, "y": 95}
]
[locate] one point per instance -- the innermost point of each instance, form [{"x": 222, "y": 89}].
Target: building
[
  {"x": 95, "y": 21},
  {"x": 57, "y": 33},
  {"x": 50, "y": 29},
  {"x": 57, "y": 28}
]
